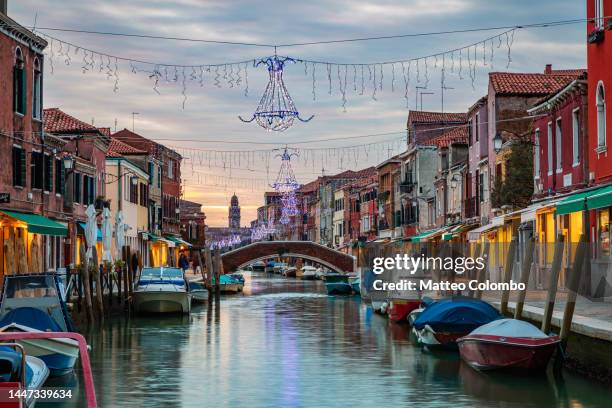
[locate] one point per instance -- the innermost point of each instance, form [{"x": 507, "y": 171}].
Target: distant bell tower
[{"x": 234, "y": 213}]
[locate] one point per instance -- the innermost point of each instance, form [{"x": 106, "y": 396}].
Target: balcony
[{"x": 472, "y": 207}]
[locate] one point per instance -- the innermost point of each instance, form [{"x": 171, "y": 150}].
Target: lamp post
[{"x": 497, "y": 142}]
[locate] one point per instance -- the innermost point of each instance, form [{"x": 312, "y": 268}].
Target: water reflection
[{"x": 285, "y": 343}]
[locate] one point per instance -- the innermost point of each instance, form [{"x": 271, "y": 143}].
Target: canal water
[{"x": 285, "y": 343}]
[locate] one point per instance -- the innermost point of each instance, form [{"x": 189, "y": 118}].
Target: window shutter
[
  {"x": 16, "y": 162},
  {"x": 151, "y": 173},
  {"x": 48, "y": 174},
  {"x": 15, "y": 89},
  {"x": 77, "y": 187},
  {"x": 22, "y": 95},
  {"x": 62, "y": 178},
  {"x": 22, "y": 167}
]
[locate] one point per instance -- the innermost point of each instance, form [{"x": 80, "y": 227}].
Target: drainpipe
[{"x": 119, "y": 187}]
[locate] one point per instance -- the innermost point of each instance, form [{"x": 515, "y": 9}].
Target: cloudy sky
[{"x": 208, "y": 120}]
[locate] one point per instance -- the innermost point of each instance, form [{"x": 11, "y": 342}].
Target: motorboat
[
  {"x": 338, "y": 285},
  {"x": 380, "y": 306},
  {"x": 21, "y": 372},
  {"x": 309, "y": 272},
  {"x": 399, "y": 309},
  {"x": 198, "y": 290},
  {"x": 237, "y": 276},
  {"x": 508, "y": 344},
  {"x": 278, "y": 267},
  {"x": 444, "y": 321},
  {"x": 290, "y": 272},
  {"x": 412, "y": 316},
  {"x": 32, "y": 303},
  {"x": 329, "y": 273},
  {"x": 258, "y": 266},
  {"x": 162, "y": 290},
  {"x": 230, "y": 284}
]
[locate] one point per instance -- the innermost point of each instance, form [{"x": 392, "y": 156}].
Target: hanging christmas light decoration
[
  {"x": 286, "y": 185},
  {"x": 276, "y": 110}
]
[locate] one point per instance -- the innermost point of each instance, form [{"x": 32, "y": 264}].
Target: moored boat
[
  {"x": 31, "y": 303},
  {"x": 290, "y": 272},
  {"x": 508, "y": 344},
  {"x": 308, "y": 272},
  {"x": 356, "y": 285},
  {"x": 444, "y": 321},
  {"x": 162, "y": 290},
  {"x": 230, "y": 284},
  {"x": 22, "y": 372},
  {"x": 198, "y": 291},
  {"x": 399, "y": 309},
  {"x": 338, "y": 285}
]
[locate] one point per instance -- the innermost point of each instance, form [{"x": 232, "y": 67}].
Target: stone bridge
[{"x": 335, "y": 260}]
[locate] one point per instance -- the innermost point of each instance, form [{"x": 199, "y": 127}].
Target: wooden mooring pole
[
  {"x": 572, "y": 287},
  {"x": 86, "y": 284},
  {"x": 508, "y": 268},
  {"x": 209, "y": 270},
  {"x": 525, "y": 273},
  {"x": 553, "y": 284},
  {"x": 218, "y": 271},
  {"x": 483, "y": 272},
  {"x": 98, "y": 281}
]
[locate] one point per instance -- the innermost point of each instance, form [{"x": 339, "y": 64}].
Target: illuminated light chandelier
[
  {"x": 286, "y": 185},
  {"x": 276, "y": 110}
]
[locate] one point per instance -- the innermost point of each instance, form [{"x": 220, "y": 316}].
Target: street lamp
[
  {"x": 68, "y": 162},
  {"x": 497, "y": 143},
  {"x": 454, "y": 181},
  {"x": 134, "y": 180}
]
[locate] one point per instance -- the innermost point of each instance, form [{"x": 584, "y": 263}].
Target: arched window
[
  {"x": 19, "y": 83},
  {"x": 601, "y": 115},
  {"x": 37, "y": 90}
]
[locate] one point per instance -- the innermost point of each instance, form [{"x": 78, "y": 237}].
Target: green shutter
[
  {"x": 77, "y": 187},
  {"x": 22, "y": 168},
  {"x": 23, "y": 91},
  {"x": 48, "y": 173},
  {"x": 62, "y": 178},
  {"x": 15, "y": 89},
  {"x": 16, "y": 170}
]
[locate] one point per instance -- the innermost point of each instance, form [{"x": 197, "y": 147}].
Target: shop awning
[
  {"x": 37, "y": 224},
  {"x": 427, "y": 235},
  {"x": 575, "y": 202},
  {"x": 98, "y": 234},
  {"x": 474, "y": 235},
  {"x": 600, "y": 198},
  {"x": 455, "y": 231},
  {"x": 176, "y": 240}
]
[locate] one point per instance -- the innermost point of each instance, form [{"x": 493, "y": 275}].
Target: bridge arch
[{"x": 331, "y": 258}]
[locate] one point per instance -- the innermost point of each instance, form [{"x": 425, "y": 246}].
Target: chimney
[
  {"x": 3, "y": 6},
  {"x": 548, "y": 69}
]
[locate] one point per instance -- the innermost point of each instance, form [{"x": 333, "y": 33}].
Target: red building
[
  {"x": 368, "y": 210},
  {"x": 193, "y": 223},
  {"x": 599, "y": 54},
  {"x": 171, "y": 177},
  {"x": 560, "y": 135}
]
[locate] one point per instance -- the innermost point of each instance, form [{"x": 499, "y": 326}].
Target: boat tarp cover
[
  {"x": 510, "y": 328},
  {"x": 456, "y": 315},
  {"x": 31, "y": 317},
  {"x": 10, "y": 361}
]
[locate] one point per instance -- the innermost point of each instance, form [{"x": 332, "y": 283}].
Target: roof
[
  {"x": 478, "y": 104},
  {"x": 105, "y": 131},
  {"x": 20, "y": 32},
  {"x": 458, "y": 135},
  {"x": 576, "y": 72},
  {"x": 309, "y": 187},
  {"x": 58, "y": 121},
  {"x": 134, "y": 139},
  {"x": 436, "y": 117},
  {"x": 117, "y": 148},
  {"x": 507, "y": 83}
]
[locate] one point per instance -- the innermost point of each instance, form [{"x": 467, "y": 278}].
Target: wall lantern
[
  {"x": 68, "y": 162},
  {"x": 497, "y": 143}
]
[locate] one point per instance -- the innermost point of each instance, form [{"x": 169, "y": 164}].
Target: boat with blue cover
[
  {"x": 162, "y": 290},
  {"x": 33, "y": 303},
  {"x": 230, "y": 283},
  {"x": 19, "y": 371},
  {"x": 442, "y": 322},
  {"x": 338, "y": 285}
]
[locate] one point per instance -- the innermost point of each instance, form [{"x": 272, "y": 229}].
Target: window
[
  {"x": 601, "y": 115},
  {"x": 37, "y": 90},
  {"x": 536, "y": 157},
  {"x": 19, "y": 167},
  {"x": 477, "y": 130},
  {"x": 36, "y": 170},
  {"x": 151, "y": 174},
  {"x": 89, "y": 189},
  {"x": 159, "y": 177},
  {"x": 575, "y": 136},
  {"x": 170, "y": 169},
  {"x": 599, "y": 14},
  {"x": 19, "y": 83},
  {"x": 77, "y": 187},
  {"x": 549, "y": 142},
  {"x": 559, "y": 146},
  {"x": 59, "y": 176},
  {"x": 48, "y": 164}
]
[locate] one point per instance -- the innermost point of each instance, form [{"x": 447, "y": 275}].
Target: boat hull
[
  {"x": 231, "y": 287},
  {"x": 487, "y": 352},
  {"x": 308, "y": 276},
  {"x": 432, "y": 339},
  {"x": 338, "y": 288},
  {"x": 399, "y": 309},
  {"x": 59, "y": 355},
  {"x": 161, "y": 302},
  {"x": 290, "y": 273}
]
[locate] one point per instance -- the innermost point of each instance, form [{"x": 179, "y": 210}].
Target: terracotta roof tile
[
  {"x": 57, "y": 121},
  {"x": 436, "y": 117},
  {"x": 105, "y": 131},
  {"x": 118, "y": 148},
  {"x": 457, "y": 135},
  {"x": 506, "y": 83}
]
